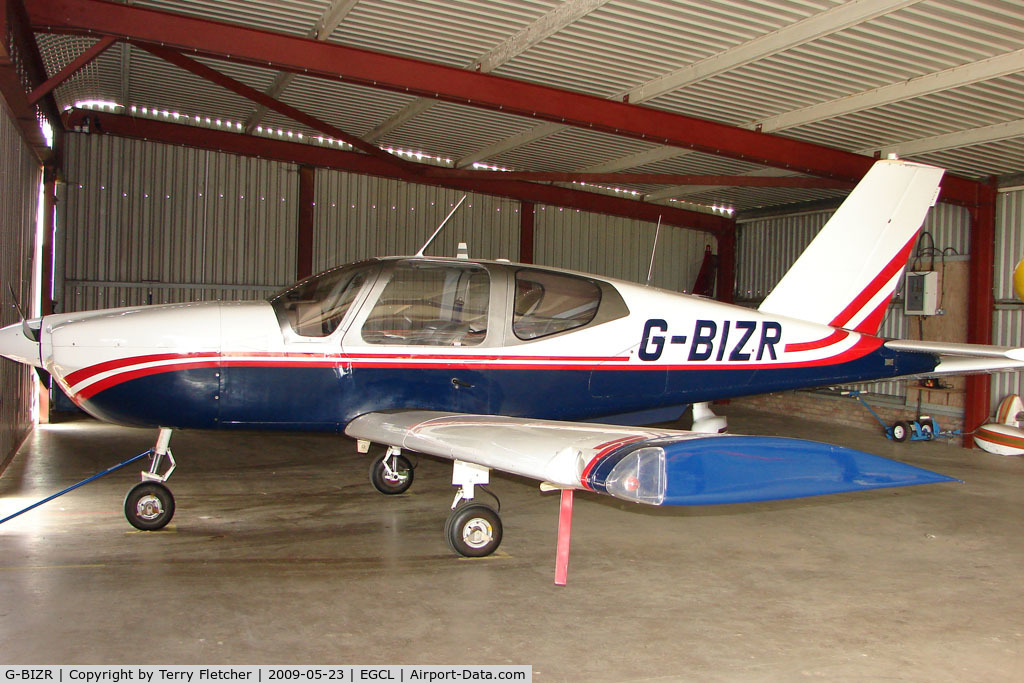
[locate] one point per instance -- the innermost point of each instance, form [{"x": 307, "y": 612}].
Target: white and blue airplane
[{"x": 529, "y": 370}]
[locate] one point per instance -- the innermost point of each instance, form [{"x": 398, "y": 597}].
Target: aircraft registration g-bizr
[{"x": 524, "y": 369}]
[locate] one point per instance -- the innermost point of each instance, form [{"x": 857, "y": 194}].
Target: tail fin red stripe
[{"x": 857, "y": 305}]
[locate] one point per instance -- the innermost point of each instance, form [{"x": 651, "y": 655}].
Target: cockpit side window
[
  {"x": 548, "y": 303},
  {"x": 431, "y": 304},
  {"x": 316, "y": 306}
]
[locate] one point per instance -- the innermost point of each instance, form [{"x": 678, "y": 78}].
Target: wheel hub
[
  {"x": 149, "y": 507},
  {"x": 394, "y": 476},
  {"x": 477, "y": 532}
]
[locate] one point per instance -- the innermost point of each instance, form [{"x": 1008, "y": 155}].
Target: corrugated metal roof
[
  {"x": 937, "y": 80},
  {"x": 453, "y": 32}
]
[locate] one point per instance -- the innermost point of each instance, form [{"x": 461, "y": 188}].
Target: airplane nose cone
[{"x": 17, "y": 346}]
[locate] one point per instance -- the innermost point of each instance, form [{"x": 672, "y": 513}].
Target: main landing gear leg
[
  {"x": 472, "y": 529},
  {"x": 391, "y": 473},
  {"x": 705, "y": 421},
  {"x": 149, "y": 505}
]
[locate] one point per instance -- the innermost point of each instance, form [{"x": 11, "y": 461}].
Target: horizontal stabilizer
[
  {"x": 957, "y": 349},
  {"x": 964, "y": 359}
]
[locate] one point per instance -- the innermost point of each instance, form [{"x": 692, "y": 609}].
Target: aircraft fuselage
[{"x": 441, "y": 334}]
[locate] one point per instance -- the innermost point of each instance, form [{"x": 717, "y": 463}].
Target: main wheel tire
[
  {"x": 900, "y": 431},
  {"x": 394, "y": 480},
  {"x": 473, "y": 530},
  {"x": 149, "y": 506}
]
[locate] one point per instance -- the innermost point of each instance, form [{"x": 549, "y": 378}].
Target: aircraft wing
[
  {"x": 640, "y": 464},
  {"x": 962, "y": 359}
]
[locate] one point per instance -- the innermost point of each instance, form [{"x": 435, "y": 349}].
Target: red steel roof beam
[
  {"x": 21, "y": 68},
  {"x": 267, "y": 101},
  {"x": 403, "y": 74},
  {"x": 644, "y": 178}
]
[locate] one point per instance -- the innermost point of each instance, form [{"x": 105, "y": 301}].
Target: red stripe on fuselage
[
  {"x": 129, "y": 375},
  {"x": 834, "y": 338},
  {"x": 91, "y": 371},
  {"x": 127, "y": 369},
  {"x": 287, "y": 358}
]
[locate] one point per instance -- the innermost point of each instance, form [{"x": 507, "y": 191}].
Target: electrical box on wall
[{"x": 921, "y": 294}]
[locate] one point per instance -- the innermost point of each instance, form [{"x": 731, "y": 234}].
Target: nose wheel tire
[
  {"x": 149, "y": 506},
  {"x": 473, "y": 530},
  {"x": 391, "y": 475}
]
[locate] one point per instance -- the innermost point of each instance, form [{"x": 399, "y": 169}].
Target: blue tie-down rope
[{"x": 104, "y": 473}]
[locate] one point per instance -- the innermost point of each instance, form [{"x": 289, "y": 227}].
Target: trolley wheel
[
  {"x": 928, "y": 428},
  {"x": 473, "y": 530},
  {"x": 149, "y": 506},
  {"x": 393, "y": 479},
  {"x": 900, "y": 431}
]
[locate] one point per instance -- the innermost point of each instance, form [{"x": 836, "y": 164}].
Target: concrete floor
[{"x": 280, "y": 552}]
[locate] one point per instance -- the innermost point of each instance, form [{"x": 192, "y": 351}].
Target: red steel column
[
  {"x": 726, "y": 264},
  {"x": 49, "y": 206},
  {"x": 980, "y": 305},
  {"x": 304, "y": 246},
  {"x": 526, "y": 216}
]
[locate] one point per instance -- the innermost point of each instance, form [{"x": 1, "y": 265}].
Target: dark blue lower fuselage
[{"x": 326, "y": 399}]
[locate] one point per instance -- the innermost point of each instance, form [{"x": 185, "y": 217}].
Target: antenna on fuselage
[
  {"x": 450, "y": 214},
  {"x": 654, "y": 249}
]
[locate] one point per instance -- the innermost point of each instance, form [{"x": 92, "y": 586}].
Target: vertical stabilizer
[{"x": 848, "y": 274}]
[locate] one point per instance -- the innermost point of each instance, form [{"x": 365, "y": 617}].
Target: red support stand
[{"x": 564, "y": 534}]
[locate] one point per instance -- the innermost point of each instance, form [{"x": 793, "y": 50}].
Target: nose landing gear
[{"x": 149, "y": 505}]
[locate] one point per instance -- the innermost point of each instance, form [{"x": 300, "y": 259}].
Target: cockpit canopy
[{"x": 444, "y": 302}]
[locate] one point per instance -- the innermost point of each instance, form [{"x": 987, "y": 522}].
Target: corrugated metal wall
[
  {"x": 360, "y": 216},
  {"x": 766, "y": 248},
  {"x": 618, "y": 247},
  {"x": 1008, "y": 321},
  {"x": 151, "y": 223},
  {"x": 19, "y": 178}
]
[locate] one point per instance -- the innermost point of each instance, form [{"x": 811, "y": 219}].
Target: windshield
[{"x": 316, "y": 306}]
